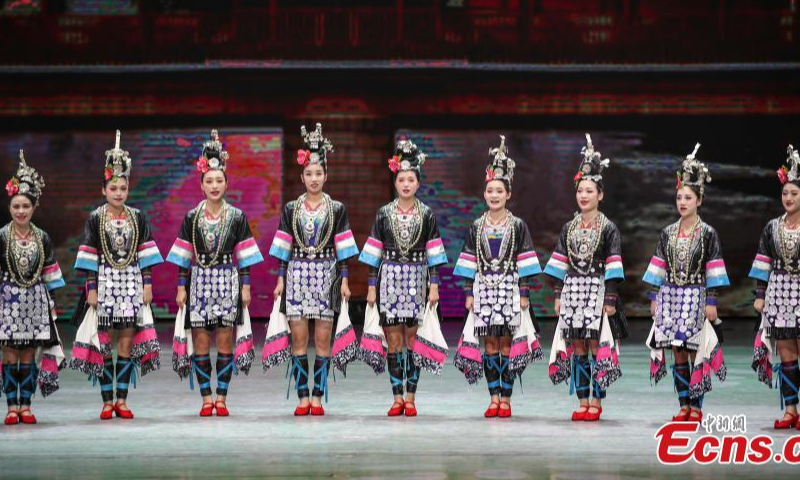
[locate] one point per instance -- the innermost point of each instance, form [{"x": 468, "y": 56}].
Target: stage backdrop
[
  {"x": 639, "y": 198},
  {"x": 165, "y": 185}
]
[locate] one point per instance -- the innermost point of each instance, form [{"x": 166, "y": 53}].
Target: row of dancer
[{"x": 215, "y": 250}]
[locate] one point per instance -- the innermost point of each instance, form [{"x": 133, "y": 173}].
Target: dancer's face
[
  {"x": 790, "y": 197},
  {"x": 214, "y": 185},
  {"x": 21, "y": 209},
  {"x": 314, "y": 178},
  {"x": 496, "y": 195},
  {"x": 588, "y": 195},
  {"x": 116, "y": 192},
  {"x": 687, "y": 202},
  {"x": 406, "y": 185}
]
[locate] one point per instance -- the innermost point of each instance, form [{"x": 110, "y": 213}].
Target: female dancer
[
  {"x": 313, "y": 244},
  {"x": 499, "y": 262},
  {"x": 30, "y": 273},
  {"x": 116, "y": 253},
  {"x": 403, "y": 251},
  {"x": 215, "y": 288},
  {"x": 587, "y": 267},
  {"x": 685, "y": 272},
  {"x": 776, "y": 269}
]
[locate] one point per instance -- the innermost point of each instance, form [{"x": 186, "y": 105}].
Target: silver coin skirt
[
  {"x": 214, "y": 296},
  {"x": 582, "y": 306},
  {"x": 782, "y": 306},
  {"x": 308, "y": 289},
  {"x": 402, "y": 292},
  {"x": 496, "y": 304},
  {"x": 119, "y": 296},
  {"x": 26, "y": 315},
  {"x": 680, "y": 313}
]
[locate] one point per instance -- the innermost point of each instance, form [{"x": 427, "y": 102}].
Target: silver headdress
[
  {"x": 592, "y": 166},
  {"x": 26, "y": 181},
  {"x": 789, "y": 172},
  {"x": 407, "y": 157},
  {"x": 694, "y": 173},
  {"x": 213, "y": 156},
  {"x": 315, "y": 147},
  {"x": 502, "y": 167},
  {"x": 118, "y": 163}
]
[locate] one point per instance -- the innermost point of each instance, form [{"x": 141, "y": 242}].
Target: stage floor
[{"x": 449, "y": 439}]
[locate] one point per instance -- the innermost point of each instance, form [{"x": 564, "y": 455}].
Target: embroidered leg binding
[
  {"x": 299, "y": 372},
  {"x": 789, "y": 379},
  {"x": 492, "y": 372},
  {"x": 225, "y": 367},
  {"x": 11, "y": 380},
  {"x": 412, "y": 373},
  {"x": 27, "y": 388},
  {"x": 506, "y": 378},
  {"x": 107, "y": 381},
  {"x": 125, "y": 373},
  {"x": 322, "y": 366},
  {"x": 27, "y": 383},
  {"x": 597, "y": 392},
  {"x": 201, "y": 364},
  {"x": 581, "y": 376},
  {"x": 681, "y": 373},
  {"x": 396, "y": 367}
]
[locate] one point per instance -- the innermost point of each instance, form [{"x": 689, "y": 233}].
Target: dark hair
[
  {"x": 324, "y": 166},
  {"x": 105, "y": 182},
  {"x": 796, "y": 183},
  {"x": 34, "y": 200},
  {"x": 416, "y": 174},
  {"x": 599, "y": 184},
  {"x": 695, "y": 189},
  {"x": 505, "y": 182},
  {"x": 203, "y": 175}
]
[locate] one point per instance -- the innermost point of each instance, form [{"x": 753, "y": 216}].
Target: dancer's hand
[
  {"x": 652, "y": 308},
  {"x": 246, "y": 298},
  {"x": 180, "y": 299},
  {"x": 433, "y": 294},
  {"x": 557, "y": 306},
  {"x": 711, "y": 313},
  {"x": 91, "y": 298},
  {"x": 759, "y": 305},
  {"x": 524, "y": 302},
  {"x": 470, "y": 301},
  {"x": 372, "y": 295},
  {"x": 345, "y": 290},
  {"x": 147, "y": 294},
  {"x": 278, "y": 288},
  {"x": 610, "y": 310}
]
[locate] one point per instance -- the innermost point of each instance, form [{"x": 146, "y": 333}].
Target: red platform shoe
[
  {"x": 317, "y": 411},
  {"x": 12, "y": 418},
  {"x": 30, "y": 418},
  {"x": 221, "y": 408},
  {"x": 785, "y": 423},
  {"x": 411, "y": 409},
  {"x": 491, "y": 412},
  {"x": 302, "y": 411},
  {"x": 695, "y": 416},
  {"x": 107, "y": 413},
  {"x": 580, "y": 414},
  {"x": 593, "y": 417},
  {"x": 504, "y": 412},
  {"x": 398, "y": 408},
  {"x": 126, "y": 413},
  {"x": 207, "y": 410},
  {"x": 682, "y": 416}
]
